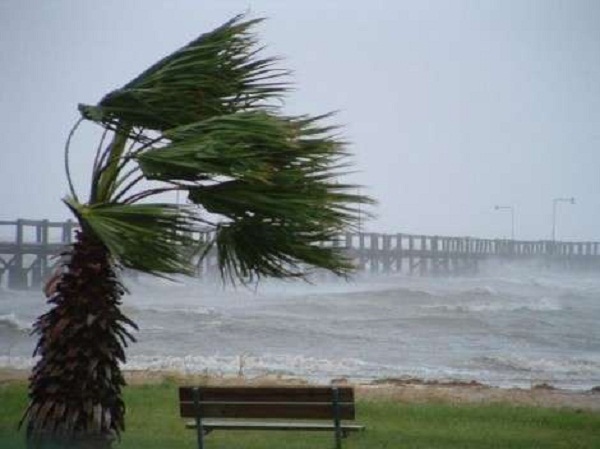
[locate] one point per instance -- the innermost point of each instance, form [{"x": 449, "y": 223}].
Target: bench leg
[
  {"x": 199, "y": 428},
  {"x": 336, "y": 418}
]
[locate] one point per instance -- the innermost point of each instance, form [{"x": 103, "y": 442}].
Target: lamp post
[
  {"x": 512, "y": 218},
  {"x": 555, "y": 201},
  {"x": 359, "y": 214}
]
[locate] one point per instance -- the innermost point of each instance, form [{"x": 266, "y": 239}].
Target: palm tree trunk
[{"x": 75, "y": 387}]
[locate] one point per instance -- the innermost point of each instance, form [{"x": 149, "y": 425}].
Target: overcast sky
[{"x": 452, "y": 107}]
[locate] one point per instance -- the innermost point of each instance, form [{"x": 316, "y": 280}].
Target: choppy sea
[{"x": 510, "y": 327}]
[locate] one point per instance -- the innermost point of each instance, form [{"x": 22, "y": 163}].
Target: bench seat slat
[
  {"x": 266, "y": 394},
  {"x": 209, "y": 425},
  {"x": 284, "y": 410}
]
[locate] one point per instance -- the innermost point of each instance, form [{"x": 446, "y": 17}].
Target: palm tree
[{"x": 206, "y": 120}]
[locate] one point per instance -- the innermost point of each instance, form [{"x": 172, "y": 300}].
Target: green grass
[{"x": 153, "y": 422}]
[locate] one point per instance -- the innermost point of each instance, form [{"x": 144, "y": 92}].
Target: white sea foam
[
  {"x": 543, "y": 304},
  {"x": 484, "y": 290},
  {"x": 517, "y": 370},
  {"x": 17, "y": 362},
  {"x": 13, "y": 322},
  {"x": 310, "y": 368},
  {"x": 194, "y": 310}
]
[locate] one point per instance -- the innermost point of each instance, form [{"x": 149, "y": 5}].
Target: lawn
[{"x": 153, "y": 422}]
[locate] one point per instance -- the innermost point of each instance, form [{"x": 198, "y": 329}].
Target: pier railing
[{"x": 30, "y": 250}]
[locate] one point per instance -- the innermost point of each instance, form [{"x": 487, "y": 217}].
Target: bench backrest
[{"x": 267, "y": 402}]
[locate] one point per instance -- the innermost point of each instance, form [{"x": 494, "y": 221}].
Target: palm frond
[
  {"x": 153, "y": 238},
  {"x": 251, "y": 248},
  {"x": 217, "y": 73},
  {"x": 242, "y": 145}
]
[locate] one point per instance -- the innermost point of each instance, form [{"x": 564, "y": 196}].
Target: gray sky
[{"x": 452, "y": 107}]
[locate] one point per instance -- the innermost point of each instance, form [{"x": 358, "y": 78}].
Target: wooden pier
[
  {"x": 30, "y": 249},
  {"x": 436, "y": 255}
]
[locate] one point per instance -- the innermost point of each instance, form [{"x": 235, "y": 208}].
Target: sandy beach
[{"x": 409, "y": 390}]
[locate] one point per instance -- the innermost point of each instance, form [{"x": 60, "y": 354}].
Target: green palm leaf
[
  {"x": 235, "y": 145},
  {"x": 252, "y": 248},
  {"x": 217, "y": 73},
  {"x": 153, "y": 238}
]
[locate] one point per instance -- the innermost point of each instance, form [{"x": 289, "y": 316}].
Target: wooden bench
[{"x": 269, "y": 408}]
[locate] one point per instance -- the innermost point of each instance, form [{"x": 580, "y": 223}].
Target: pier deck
[{"x": 30, "y": 249}]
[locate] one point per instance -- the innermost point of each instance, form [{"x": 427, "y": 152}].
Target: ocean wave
[
  {"x": 544, "y": 304},
  {"x": 14, "y": 323},
  {"x": 244, "y": 364},
  {"x": 374, "y": 293},
  {"x": 484, "y": 290},
  {"x": 17, "y": 362},
  {"x": 307, "y": 367},
  {"x": 180, "y": 310},
  {"x": 563, "y": 367}
]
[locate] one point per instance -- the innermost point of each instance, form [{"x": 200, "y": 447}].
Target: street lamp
[
  {"x": 360, "y": 218},
  {"x": 512, "y": 219},
  {"x": 555, "y": 201}
]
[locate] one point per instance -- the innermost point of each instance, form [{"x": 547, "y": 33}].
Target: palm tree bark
[{"x": 75, "y": 387}]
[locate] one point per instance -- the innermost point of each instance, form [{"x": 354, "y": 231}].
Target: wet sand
[{"x": 408, "y": 390}]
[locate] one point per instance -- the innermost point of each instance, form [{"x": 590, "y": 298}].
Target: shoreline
[{"x": 408, "y": 390}]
